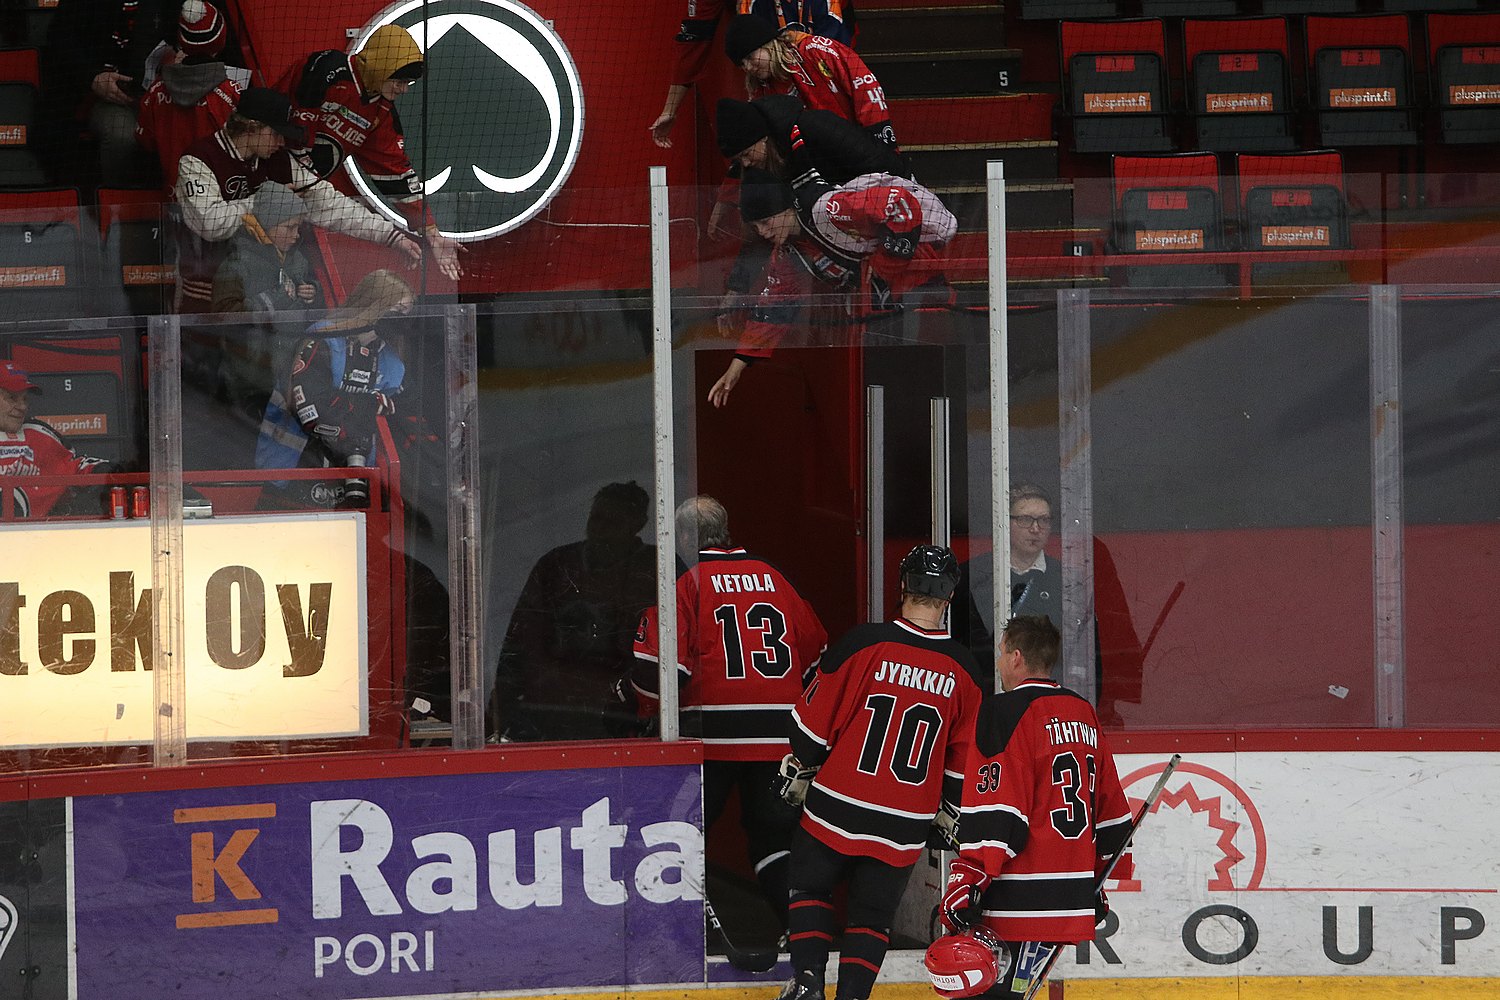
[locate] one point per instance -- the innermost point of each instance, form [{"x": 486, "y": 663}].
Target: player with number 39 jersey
[{"x": 1043, "y": 810}]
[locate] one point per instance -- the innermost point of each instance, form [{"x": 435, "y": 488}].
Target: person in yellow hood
[{"x": 348, "y": 105}]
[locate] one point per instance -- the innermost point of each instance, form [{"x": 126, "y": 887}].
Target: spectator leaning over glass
[
  {"x": 220, "y": 173},
  {"x": 348, "y": 104},
  {"x": 32, "y": 448}
]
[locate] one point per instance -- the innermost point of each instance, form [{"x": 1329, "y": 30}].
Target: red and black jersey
[
  {"x": 746, "y": 644},
  {"x": 1042, "y": 804},
  {"x": 343, "y": 121},
  {"x": 888, "y": 721},
  {"x": 831, "y": 76},
  {"x": 701, "y": 23},
  {"x": 38, "y": 450}
]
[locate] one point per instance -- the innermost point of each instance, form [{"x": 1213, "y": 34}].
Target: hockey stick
[
  {"x": 1135, "y": 824},
  {"x": 744, "y": 959},
  {"x": 1161, "y": 618}
]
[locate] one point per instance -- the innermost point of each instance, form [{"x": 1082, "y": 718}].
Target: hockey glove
[
  {"x": 960, "y": 906},
  {"x": 792, "y": 782},
  {"x": 1101, "y": 908},
  {"x": 944, "y": 833}
]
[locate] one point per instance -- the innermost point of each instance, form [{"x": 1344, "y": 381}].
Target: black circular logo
[{"x": 495, "y": 124}]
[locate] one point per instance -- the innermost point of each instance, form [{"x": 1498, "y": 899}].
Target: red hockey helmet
[{"x": 967, "y": 963}]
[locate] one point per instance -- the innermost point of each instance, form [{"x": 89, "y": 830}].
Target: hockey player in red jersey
[
  {"x": 878, "y": 746},
  {"x": 348, "y": 105},
  {"x": 1042, "y": 813},
  {"x": 746, "y": 644}
]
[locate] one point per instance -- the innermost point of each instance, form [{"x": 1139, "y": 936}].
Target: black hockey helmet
[{"x": 930, "y": 570}]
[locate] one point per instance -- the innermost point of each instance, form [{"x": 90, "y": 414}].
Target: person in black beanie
[
  {"x": 824, "y": 245},
  {"x": 820, "y": 72},
  {"x": 828, "y": 150}
]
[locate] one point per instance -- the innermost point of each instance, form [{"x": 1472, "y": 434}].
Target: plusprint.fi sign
[{"x": 495, "y": 125}]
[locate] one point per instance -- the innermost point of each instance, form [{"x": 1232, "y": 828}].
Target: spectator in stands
[
  {"x": 342, "y": 377},
  {"x": 266, "y": 271},
  {"x": 829, "y": 150},
  {"x": 876, "y": 222},
  {"x": 825, "y": 18},
  {"x": 348, "y": 105},
  {"x": 265, "y": 274},
  {"x": 195, "y": 92},
  {"x": 570, "y": 636},
  {"x": 31, "y": 448},
  {"x": 219, "y": 173},
  {"x": 94, "y": 67},
  {"x": 821, "y": 72}
]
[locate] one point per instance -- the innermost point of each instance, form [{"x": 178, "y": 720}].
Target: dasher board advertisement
[
  {"x": 1307, "y": 864},
  {"x": 274, "y": 625},
  {"x": 403, "y": 887}
]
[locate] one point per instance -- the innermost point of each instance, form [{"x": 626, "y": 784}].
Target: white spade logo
[
  {"x": 9, "y": 920},
  {"x": 536, "y": 58}
]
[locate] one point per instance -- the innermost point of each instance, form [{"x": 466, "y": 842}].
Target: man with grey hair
[{"x": 747, "y": 642}]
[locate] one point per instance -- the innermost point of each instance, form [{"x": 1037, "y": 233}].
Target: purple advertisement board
[{"x": 392, "y": 888}]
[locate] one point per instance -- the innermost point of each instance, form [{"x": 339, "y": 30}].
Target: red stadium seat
[
  {"x": 1114, "y": 74},
  {"x": 1238, "y": 85},
  {"x": 1168, "y": 204},
  {"x": 1464, "y": 65},
  {"x": 1359, "y": 80},
  {"x": 1293, "y": 201},
  {"x": 20, "y": 85}
]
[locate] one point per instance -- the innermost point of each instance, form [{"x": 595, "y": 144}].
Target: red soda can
[
  {"x": 117, "y": 507},
  {"x": 140, "y": 501}
]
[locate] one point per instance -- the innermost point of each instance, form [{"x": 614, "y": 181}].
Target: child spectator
[
  {"x": 343, "y": 376},
  {"x": 195, "y": 93},
  {"x": 265, "y": 271}
]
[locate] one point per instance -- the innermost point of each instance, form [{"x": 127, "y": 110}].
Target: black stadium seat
[
  {"x": 1293, "y": 201},
  {"x": 19, "y": 89},
  {"x": 1464, "y": 64},
  {"x": 1359, "y": 80},
  {"x": 139, "y": 262},
  {"x": 1168, "y": 204},
  {"x": 41, "y": 254},
  {"x": 1238, "y": 86},
  {"x": 1114, "y": 73}
]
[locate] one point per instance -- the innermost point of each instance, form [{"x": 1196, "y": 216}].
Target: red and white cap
[
  {"x": 13, "y": 379},
  {"x": 200, "y": 29}
]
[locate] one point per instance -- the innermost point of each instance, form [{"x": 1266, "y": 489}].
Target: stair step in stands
[
  {"x": 926, "y": 121},
  {"x": 930, "y": 29},
  {"x": 1028, "y": 205},
  {"x": 963, "y": 162},
  {"x": 924, "y": 74}
]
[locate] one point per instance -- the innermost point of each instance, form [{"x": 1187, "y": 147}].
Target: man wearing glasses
[{"x": 1035, "y": 580}]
